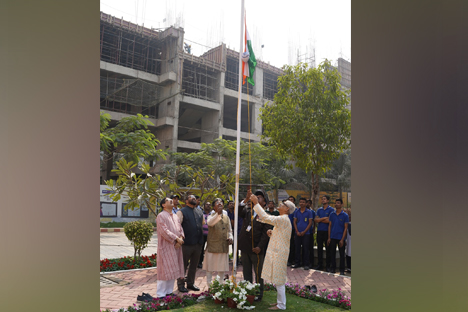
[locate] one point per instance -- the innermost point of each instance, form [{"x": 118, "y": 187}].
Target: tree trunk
[
  {"x": 315, "y": 190},
  {"x": 108, "y": 164}
]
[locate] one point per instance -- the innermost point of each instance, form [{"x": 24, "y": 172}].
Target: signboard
[
  {"x": 136, "y": 212},
  {"x": 282, "y": 194},
  {"x": 109, "y": 209},
  {"x": 129, "y": 212}
]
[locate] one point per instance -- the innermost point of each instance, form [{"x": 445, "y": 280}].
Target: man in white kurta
[
  {"x": 276, "y": 259},
  {"x": 170, "y": 261},
  {"x": 217, "y": 243}
]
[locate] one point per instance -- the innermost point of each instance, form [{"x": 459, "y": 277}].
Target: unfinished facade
[
  {"x": 189, "y": 99},
  {"x": 344, "y": 68}
]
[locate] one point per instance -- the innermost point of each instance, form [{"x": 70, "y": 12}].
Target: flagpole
[{"x": 239, "y": 102}]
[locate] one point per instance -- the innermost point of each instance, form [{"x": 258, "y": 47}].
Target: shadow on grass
[{"x": 293, "y": 303}]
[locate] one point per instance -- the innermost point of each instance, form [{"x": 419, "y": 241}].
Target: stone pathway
[{"x": 117, "y": 245}]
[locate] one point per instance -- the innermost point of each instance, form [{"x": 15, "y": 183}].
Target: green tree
[
  {"x": 211, "y": 171},
  {"x": 341, "y": 171},
  {"x": 148, "y": 189},
  {"x": 130, "y": 139},
  {"x": 259, "y": 164},
  {"x": 308, "y": 121}
]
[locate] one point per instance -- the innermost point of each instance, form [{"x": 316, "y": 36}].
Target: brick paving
[{"x": 145, "y": 281}]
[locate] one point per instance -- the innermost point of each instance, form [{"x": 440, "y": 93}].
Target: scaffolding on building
[
  {"x": 270, "y": 85},
  {"x": 130, "y": 50},
  {"x": 232, "y": 76},
  {"x": 200, "y": 80},
  {"x": 129, "y": 95}
]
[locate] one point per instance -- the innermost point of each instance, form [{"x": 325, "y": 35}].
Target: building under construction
[{"x": 189, "y": 99}]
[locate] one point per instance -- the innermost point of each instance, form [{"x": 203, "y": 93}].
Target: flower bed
[
  {"x": 168, "y": 303},
  {"x": 127, "y": 263},
  {"x": 335, "y": 298}
]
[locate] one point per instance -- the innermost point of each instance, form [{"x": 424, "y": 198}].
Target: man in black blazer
[{"x": 253, "y": 255}]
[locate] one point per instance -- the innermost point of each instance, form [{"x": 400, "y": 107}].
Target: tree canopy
[
  {"x": 308, "y": 122},
  {"x": 130, "y": 139},
  {"x": 209, "y": 172}
]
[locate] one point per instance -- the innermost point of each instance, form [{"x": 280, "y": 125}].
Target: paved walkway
[
  {"x": 117, "y": 245},
  {"x": 133, "y": 283}
]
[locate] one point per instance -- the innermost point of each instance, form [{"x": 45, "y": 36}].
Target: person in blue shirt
[
  {"x": 312, "y": 232},
  {"x": 337, "y": 230},
  {"x": 175, "y": 200},
  {"x": 321, "y": 219},
  {"x": 303, "y": 219},
  {"x": 292, "y": 247},
  {"x": 198, "y": 202}
]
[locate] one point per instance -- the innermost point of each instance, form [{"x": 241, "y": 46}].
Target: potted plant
[
  {"x": 251, "y": 290},
  {"x": 232, "y": 298},
  {"x": 216, "y": 291}
]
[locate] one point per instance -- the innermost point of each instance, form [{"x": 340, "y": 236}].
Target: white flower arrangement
[{"x": 222, "y": 290}]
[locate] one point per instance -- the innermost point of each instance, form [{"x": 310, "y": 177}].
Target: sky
[{"x": 283, "y": 30}]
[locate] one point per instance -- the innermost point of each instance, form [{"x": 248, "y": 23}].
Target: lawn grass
[
  {"x": 293, "y": 303},
  {"x": 115, "y": 224}
]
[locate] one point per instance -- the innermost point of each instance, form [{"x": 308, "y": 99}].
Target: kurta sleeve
[
  {"x": 181, "y": 229},
  {"x": 265, "y": 217},
  {"x": 213, "y": 219},
  {"x": 230, "y": 236},
  {"x": 165, "y": 232},
  {"x": 181, "y": 216}
]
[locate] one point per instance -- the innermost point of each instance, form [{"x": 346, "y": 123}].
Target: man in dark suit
[
  {"x": 253, "y": 254},
  {"x": 192, "y": 221}
]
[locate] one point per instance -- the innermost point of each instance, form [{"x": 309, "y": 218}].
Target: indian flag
[{"x": 249, "y": 67}]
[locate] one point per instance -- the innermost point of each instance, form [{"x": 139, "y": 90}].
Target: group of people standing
[
  {"x": 266, "y": 237},
  {"x": 333, "y": 229}
]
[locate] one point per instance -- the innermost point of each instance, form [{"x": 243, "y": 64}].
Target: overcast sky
[{"x": 296, "y": 24}]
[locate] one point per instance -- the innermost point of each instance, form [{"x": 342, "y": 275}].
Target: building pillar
[{"x": 258, "y": 79}]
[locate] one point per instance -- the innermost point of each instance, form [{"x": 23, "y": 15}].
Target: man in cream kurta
[
  {"x": 219, "y": 238},
  {"x": 276, "y": 259}
]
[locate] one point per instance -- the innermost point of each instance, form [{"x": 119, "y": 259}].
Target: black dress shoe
[
  {"x": 306, "y": 268},
  {"x": 183, "y": 289},
  {"x": 318, "y": 268},
  {"x": 193, "y": 287},
  {"x": 199, "y": 266},
  {"x": 147, "y": 296},
  {"x": 144, "y": 297},
  {"x": 258, "y": 298},
  {"x": 314, "y": 288},
  {"x": 294, "y": 266},
  {"x": 342, "y": 273}
]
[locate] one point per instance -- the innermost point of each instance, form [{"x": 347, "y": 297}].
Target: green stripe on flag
[{"x": 252, "y": 62}]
